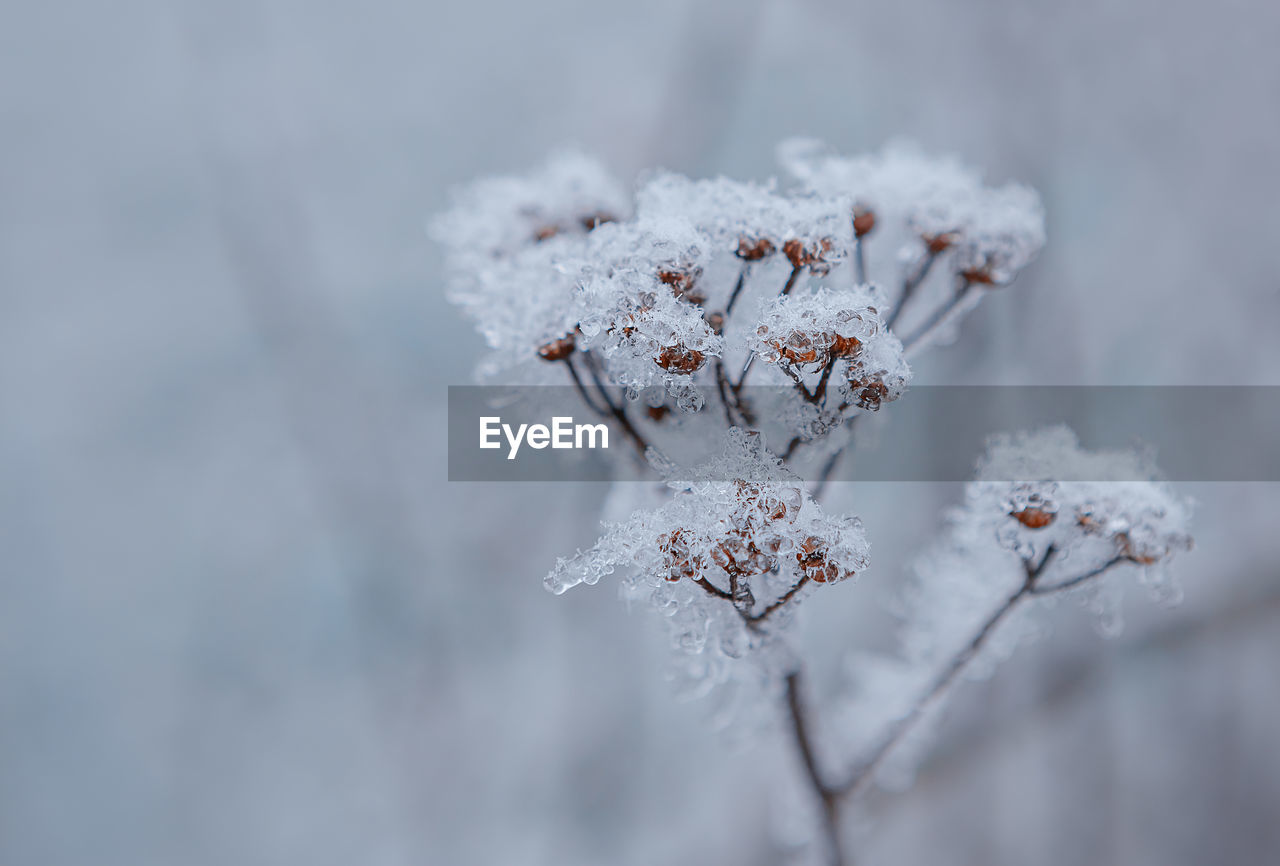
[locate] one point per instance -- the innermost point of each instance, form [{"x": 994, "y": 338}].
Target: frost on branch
[
  {"x": 1043, "y": 518},
  {"x": 993, "y": 232},
  {"x": 739, "y": 535}
]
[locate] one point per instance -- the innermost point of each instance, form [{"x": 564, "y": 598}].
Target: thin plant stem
[
  {"x": 829, "y": 796},
  {"x": 582, "y": 389},
  {"x": 909, "y": 285},
  {"x": 938, "y": 318},
  {"x": 618, "y": 411},
  {"x": 791, "y": 280},
  {"x": 866, "y": 771},
  {"x": 737, "y": 288},
  {"x": 781, "y": 601}
]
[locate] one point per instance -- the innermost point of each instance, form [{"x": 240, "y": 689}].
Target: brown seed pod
[
  {"x": 980, "y": 276},
  {"x": 872, "y": 394},
  {"x": 798, "y": 348},
  {"x": 795, "y": 253},
  {"x": 657, "y": 413},
  {"x": 812, "y": 557},
  {"x": 679, "y": 559},
  {"x": 557, "y": 350},
  {"x": 1033, "y": 517},
  {"x": 1088, "y": 522},
  {"x": 1128, "y": 551},
  {"x": 812, "y": 257},
  {"x": 939, "y": 243},
  {"x": 864, "y": 221},
  {"x": 812, "y": 549},
  {"x": 773, "y": 508},
  {"x": 739, "y": 557},
  {"x": 845, "y": 347},
  {"x": 755, "y": 249},
  {"x": 543, "y": 233},
  {"x": 682, "y": 280},
  {"x": 715, "y": 321},
  {"x": 680, "y": 359}
]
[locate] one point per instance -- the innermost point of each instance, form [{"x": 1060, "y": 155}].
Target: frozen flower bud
[
  {"x": 864, "y": 221},
  {"x": 813, "y": 255},
  {"x": 1033, "y": 517},
  {"x": 753, "y": 250},
  {"x": 810, "y": 331},
  {"x": 1110, "y": 510},
  {"x": 978, "y": 276},
  {"x": 680, "y": 359},
  {"x": 869, "y": 391},
  {"x": 557, "y": 350},
  {"x": 939, "y": 242},
  {"x": 682, "y": 279}
]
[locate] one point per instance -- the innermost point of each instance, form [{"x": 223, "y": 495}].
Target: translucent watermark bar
[{"x": 933, "y": 433}]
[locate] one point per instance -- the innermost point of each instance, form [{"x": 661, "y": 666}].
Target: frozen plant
[{"x": 659, "y": 307}]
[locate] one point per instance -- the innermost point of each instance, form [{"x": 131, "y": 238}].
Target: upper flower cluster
[{"x": 564, "y": 261}]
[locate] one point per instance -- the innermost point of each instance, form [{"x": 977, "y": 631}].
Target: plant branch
[
  {"x": 712, "y": 589},
  {"x": 582, "y": 389},
  {"x": 729, "y": 397},
  {"x": 939, "y": 317},
  {"x": 865, "y": 772},
  {"x": 619, "y": 412},
  {"x": 737, "y": 288},
  {"x": 1079, "y": 579},
  {"x": 780, "y": 601},
  {"x": 829, "y": 796},
  {"x": 791, "y": 280},
  {"x": 909, "y": 285}
]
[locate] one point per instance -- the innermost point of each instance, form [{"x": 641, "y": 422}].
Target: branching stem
[
  {"x": 618, "y": 411},
  {"x": 829, "y": 796},
  {"x": 866, "y": 770},
  {"x": 909, "y": 285}
]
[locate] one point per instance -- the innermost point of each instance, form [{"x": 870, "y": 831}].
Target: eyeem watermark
[{"x": 562, "y": 433}]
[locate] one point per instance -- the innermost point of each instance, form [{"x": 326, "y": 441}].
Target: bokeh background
[{"x": 245, "y": 619}]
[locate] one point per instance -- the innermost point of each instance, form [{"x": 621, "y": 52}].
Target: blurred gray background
[{"x": 245, "y": 619}]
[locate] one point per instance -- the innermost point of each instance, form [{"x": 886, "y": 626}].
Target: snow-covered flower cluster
[
  {"x": 664, "y": 303},
  {"x": 1044, "y": 518},
  {"x": 808, "y": 333},
  {"x": 739, "y": 540},
  {"x": 1056, "y": 494},
  {"x": 562, "y": 263}
]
